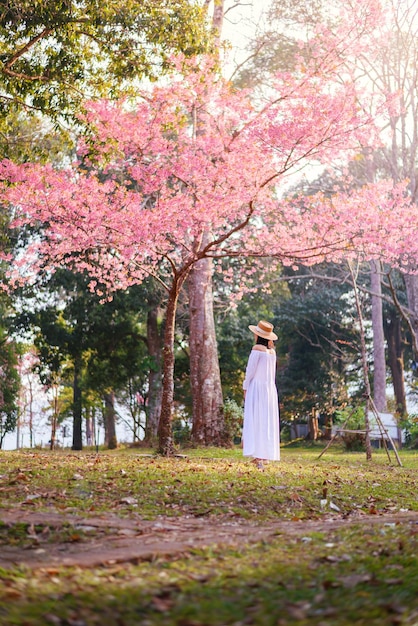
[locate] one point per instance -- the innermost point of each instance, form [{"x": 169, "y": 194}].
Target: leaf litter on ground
[{"x": 361, "y": 572}]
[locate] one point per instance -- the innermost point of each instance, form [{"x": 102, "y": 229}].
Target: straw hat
[{"x": 264, "y": 329}]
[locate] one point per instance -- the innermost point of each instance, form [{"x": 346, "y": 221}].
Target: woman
[{"x": 261, "y": 434}]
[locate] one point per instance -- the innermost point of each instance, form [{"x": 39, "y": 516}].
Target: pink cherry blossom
[{"x": 190, "y": 169}]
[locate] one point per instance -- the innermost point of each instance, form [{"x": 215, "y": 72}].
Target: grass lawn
[{"x": 352, "y": 558}]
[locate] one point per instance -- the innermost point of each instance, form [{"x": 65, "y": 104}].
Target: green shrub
[
  {"x": 410, "y": 425},
  {"x": 233, "y": 416},
  {"x": 181, "y": 431}
]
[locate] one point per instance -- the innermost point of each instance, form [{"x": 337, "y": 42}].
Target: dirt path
[{"x": 91, "y": 542}]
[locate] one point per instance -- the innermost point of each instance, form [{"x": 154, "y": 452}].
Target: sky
[{"x": 242, "y": 18}]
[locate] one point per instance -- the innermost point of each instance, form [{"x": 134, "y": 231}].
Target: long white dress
[{"x": 261, "y": 431}]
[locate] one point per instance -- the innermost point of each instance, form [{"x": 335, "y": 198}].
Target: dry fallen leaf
[
  {"x": 128, "y": 501},
  {"x": 298, "y": 610},
  {"x": 162, "y": 604},
  {"x": 349, "y": 582},
  {"x": 13, "y": 594}
]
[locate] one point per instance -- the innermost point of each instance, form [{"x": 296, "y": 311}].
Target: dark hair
[{"x": 262, "y": 341}]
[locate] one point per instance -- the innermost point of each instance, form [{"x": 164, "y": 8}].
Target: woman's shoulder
[{"x": 260, "y": 348}]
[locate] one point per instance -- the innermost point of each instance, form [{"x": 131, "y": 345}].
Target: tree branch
[{"x": 27, "y": 46}]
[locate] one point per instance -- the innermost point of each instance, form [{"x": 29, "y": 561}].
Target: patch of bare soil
[{"x": 92, "y": 542}]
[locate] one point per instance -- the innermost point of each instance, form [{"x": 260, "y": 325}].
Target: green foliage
[
  {"x": 103, "y": 344},
  {"x": 410, "y": 425},
  {"x": 275, "y": 47},
  {"x": 9, "y": 351},
  {"x": 9, "y": 386},
  {"x": 318, "y": 345},
  {"x": 54, "y": 53},
  {"x": 354, "y": 416},
  {"x": 233, "y": 416},
  {"x": 32, "y": 138},
  {"x": 235, "y": 340},
  {"x": 116, "y": 341},
  {"x": 181, "y": 431}
]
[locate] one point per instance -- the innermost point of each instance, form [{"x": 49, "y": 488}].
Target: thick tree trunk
[
  {"x": 328, "y": 427},
  {"x": 77, "y": 408},
  {"x": 379, "y": 360},
  {"x": 154, "y": 380},
  {"x": 205, "y": 378},
  {"x": 393, "y": 334},
  {"x": 313, "y": 425},
  {"x": 165, "y": 431},
  {"x": 110, "y": 421}
]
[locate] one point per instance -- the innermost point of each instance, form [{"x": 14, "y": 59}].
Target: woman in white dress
[{"x": 261, "y": 431}]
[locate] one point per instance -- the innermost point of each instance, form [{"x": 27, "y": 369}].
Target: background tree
[
  {"x": 9, "y": 350},
  {"x": 9, "y": 386},
  {"x": 118, "y": 360},
  {"x": 70, "y": 325},
  {"x": 318, "y": 346},
  {"x": 57, "y": 319},
  {"x": 265, "y": 293},
  {"x": 398, "y": 339},
  {"x": 386, "y": 68}
]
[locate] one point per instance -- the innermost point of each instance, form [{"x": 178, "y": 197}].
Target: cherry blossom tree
[
  {"x": 150, "y": 196},
  {"x": 385, "y": 66},
  {"x": 390, "y": 68}
]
